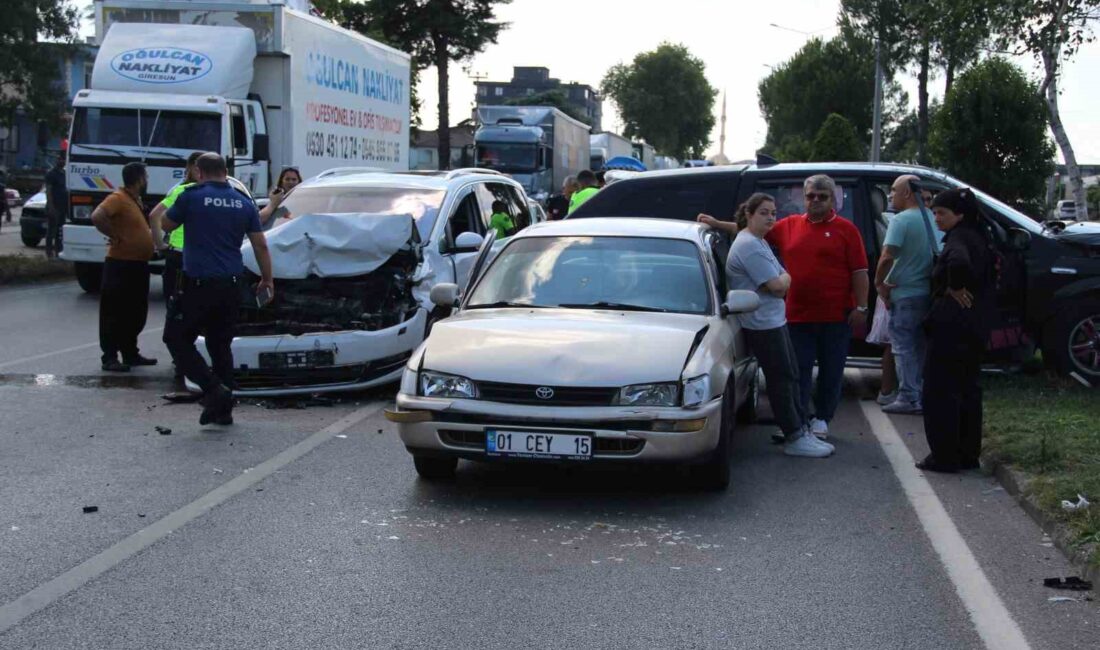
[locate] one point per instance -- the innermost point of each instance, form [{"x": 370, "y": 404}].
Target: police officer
[
  {"x": 218, "y": 217},
  {"x": 173, "y": 251}
]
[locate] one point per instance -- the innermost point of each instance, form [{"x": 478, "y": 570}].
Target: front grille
[
  {"x": 562, "y": 396},
  {"x": 518, "y": 421},
  {"x": 603, "y": 446},
  {"x": 276, "y": 378}
]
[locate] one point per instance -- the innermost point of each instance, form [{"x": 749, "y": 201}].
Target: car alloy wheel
[{"x": 1084, "y": 346}]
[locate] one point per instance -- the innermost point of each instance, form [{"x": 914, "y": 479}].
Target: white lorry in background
[
  {"x": 605, "y": 146},
  {"x": 538, "y": 146},
  {"x": 646, "y": 153},
  {"x": 262, "y": 84}
]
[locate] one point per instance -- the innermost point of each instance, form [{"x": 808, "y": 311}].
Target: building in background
[
  {"x": 424, "y": 148},
  {"x": 28, "y": 146},
  {"x": 527, "y": 81}
]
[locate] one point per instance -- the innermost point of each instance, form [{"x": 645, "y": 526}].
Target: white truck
[
  {"x": 605, "y": 146},
  {"x": 262, "y": 84}
]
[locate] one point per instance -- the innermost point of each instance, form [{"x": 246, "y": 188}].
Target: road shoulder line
[
  {"x": 37, "y": 599},
  {"x": 991, "y": 619}
]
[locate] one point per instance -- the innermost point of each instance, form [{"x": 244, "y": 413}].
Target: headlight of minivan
[
  {"x": 649, "y": 395},
  {"x": 696, "y": 390},
  {"x": 438, "y": 384}
]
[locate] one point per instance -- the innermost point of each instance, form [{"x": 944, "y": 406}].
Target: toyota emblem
[{"x": 544, "y": 392}]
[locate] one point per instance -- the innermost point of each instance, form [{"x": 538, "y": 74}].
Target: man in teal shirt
[
  {"x": 501, "y": 221},
  {"x": 904, "y": 280}
]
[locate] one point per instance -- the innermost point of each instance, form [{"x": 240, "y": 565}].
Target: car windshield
[
  {"x": 628, "y": 273},
  {"x": 423, "y": 205},
  {"x": 507, "y": 157},
  {"x": 1017, "y": 218},
  {"x": 131, "y": 127}
]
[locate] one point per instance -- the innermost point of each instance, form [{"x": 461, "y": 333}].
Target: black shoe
[
  {"x": 970, "y": 464},
  {"x": 114, "y": 365},
  {"x": 138, "y": 360},
  {"x": 930, "y": 464},
  {"x": 225, "y": 419},
  {"x": 217, "y": 403}
]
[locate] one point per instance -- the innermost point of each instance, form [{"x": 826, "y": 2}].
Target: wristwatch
[{"x": 862, "y": 310}]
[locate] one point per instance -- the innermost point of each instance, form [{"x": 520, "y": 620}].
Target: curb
[{"x": 1015, "y": 483}]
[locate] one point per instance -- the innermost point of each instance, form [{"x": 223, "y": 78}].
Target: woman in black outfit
[{"x": 962, "y": 303}]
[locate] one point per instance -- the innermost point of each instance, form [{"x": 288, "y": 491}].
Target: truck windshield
[
  {"x": 130, "y": 127},
  {"x": 507, "y": 157},
  {"x": 423, "y": 205}
]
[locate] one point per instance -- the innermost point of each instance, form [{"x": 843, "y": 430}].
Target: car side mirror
[
  {"x": 740, "y": 302},
  {"x": 468, "y": 242},
  {"x": 444, "y": 294},
  {"x": 1019, "y": 239}
]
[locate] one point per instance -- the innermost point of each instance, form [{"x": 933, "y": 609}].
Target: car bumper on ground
[
  {"x": 361, "y": 360},
  {"x": 457, "y": 427}
]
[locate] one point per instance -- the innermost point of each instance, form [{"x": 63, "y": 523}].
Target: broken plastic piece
[
  {"x": 1061, "y": 599},
  {"x": 1073, "y": 583},
  {"x": 90, "y": 509},
  {"x": 1081, "y": 504},
  {"x": 164, "y": 431}
]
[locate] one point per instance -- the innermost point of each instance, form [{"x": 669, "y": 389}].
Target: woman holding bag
[{"x": 956, "y": 325}]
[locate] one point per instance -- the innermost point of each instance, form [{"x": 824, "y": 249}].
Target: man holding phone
[{"x": 218, "y": 217}]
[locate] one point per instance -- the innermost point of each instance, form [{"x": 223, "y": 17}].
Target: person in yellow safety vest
[
  {"x": 173, "y": 251},
  {"x": 501, "y": 221},
  {"x": 589, "y": 186}
]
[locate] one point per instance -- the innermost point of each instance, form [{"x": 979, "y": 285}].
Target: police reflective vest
[
  {"x": 580, "y": 196},
  {"x": 175, "y": 238}
]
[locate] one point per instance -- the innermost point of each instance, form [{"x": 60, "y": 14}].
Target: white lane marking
[
  {"x": 75, "y": 348},
  {"x": 987, "y": 611},
  {"x": 46, "y": 594}
]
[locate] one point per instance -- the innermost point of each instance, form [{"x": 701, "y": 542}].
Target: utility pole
[
  {"x": 722, "y": 137},
  {"x": 876, "y": 129}
]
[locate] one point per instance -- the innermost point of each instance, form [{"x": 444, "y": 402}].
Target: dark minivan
[{"x": 1048, "y": 287}]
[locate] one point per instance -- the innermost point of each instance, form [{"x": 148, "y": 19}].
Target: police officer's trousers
[{"x": 209, "y": 307}]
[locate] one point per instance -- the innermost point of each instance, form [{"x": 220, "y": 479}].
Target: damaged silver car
[{"x": 355, "y": 256}]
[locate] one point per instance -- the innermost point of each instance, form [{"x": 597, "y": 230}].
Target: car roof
[
  {"x": 794, "y": 169},
  {"x": 616, "y": 227},
  {"x": 421, "y": 180}
]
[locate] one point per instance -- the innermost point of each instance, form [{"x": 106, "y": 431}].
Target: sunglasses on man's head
[{"x": 818, "y": 196}]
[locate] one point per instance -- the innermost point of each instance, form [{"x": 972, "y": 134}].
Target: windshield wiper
[
  {"x": 162, "y": 153},
  {"x": 504, "y": 303},
  {"x": 610, "y": 305},
  {"x": 95, "y": 148}
]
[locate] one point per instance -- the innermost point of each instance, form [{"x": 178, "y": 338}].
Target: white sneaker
[
  {"x": 902, "y": 407},
  {"x": 820, "y": 428},
  {"x": 886, "y": 398},
  {"x": 806, "y": 447}
]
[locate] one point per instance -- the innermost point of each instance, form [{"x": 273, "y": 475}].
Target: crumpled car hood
[
  {"x": 333, "y": 245},
  {"x": 1082, "y": 233},
  {"x": 562, "y": 347}
]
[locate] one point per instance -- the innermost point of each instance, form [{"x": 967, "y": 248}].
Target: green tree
[
  {"x": 1052, "y": 31},
  {"x": 824, "y": 77},
  {"x": 991, "y": 131},
  {"x": 837, "y": 141},
  {"x": 434, "y": 32},
  {"x": 555, "y": 98},
  {"x": 31, "y": 33},
  {"x": 664, "y": 98}
]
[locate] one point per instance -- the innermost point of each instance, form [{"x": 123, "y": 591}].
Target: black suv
[{"x": 1049, "y": 275}]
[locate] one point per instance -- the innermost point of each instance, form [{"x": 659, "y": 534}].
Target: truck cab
[{"x": 523, "y": 152}]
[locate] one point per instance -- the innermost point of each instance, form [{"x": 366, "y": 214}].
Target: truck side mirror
[{"x": 261, "y": 147}]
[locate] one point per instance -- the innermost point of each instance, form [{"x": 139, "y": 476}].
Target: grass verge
[
  {"x": 18, "y": 269},
  {"x": 1049, "y": 428}
]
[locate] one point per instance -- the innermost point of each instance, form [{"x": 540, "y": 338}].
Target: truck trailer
[
  {"x": 605, "y": 146},
  {"x": 262, "y": 84},
  {"x": 538, "y": 146}
]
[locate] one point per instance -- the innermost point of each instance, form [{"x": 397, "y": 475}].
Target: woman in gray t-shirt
[{"x": 752, "y": 266}]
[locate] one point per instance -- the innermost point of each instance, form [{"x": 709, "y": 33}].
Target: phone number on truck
[{"x": 351, "y": 147}]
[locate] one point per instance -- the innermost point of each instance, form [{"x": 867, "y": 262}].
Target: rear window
[{"x": 667, "y": 199}]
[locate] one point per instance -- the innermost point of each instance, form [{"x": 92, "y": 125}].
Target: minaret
[{"x": 722, "y": 137}]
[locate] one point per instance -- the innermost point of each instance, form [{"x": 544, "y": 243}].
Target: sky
[{"x": 578, "y": 40}]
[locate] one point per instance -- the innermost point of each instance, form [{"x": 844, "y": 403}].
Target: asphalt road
[{"x": 308, "y": 528}]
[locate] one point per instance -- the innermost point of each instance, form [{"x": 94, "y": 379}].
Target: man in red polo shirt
[{"x": 824, "y": 255}]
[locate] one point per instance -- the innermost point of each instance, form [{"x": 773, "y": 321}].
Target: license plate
[
  {"x": 535, "y": 444},
  {"x": 297, "y": 359}
]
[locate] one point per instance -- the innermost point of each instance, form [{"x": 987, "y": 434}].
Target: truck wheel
[
  {"x": 1071, "y": 342},
  {"x": 30, "y": 240},
  {"x": 435, "y": 468},
  {"x": 89, "y": 276}
]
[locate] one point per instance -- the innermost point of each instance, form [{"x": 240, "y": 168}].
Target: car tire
[
  {"x": 30, "y": 241},
  {"x": 747, "y": 413},
  {"x": 714, "y": 475},
  {"x": 89, "y": 276},
  {"x": 435, "y": 468},
  {"x": 1075, "y": 325}
]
